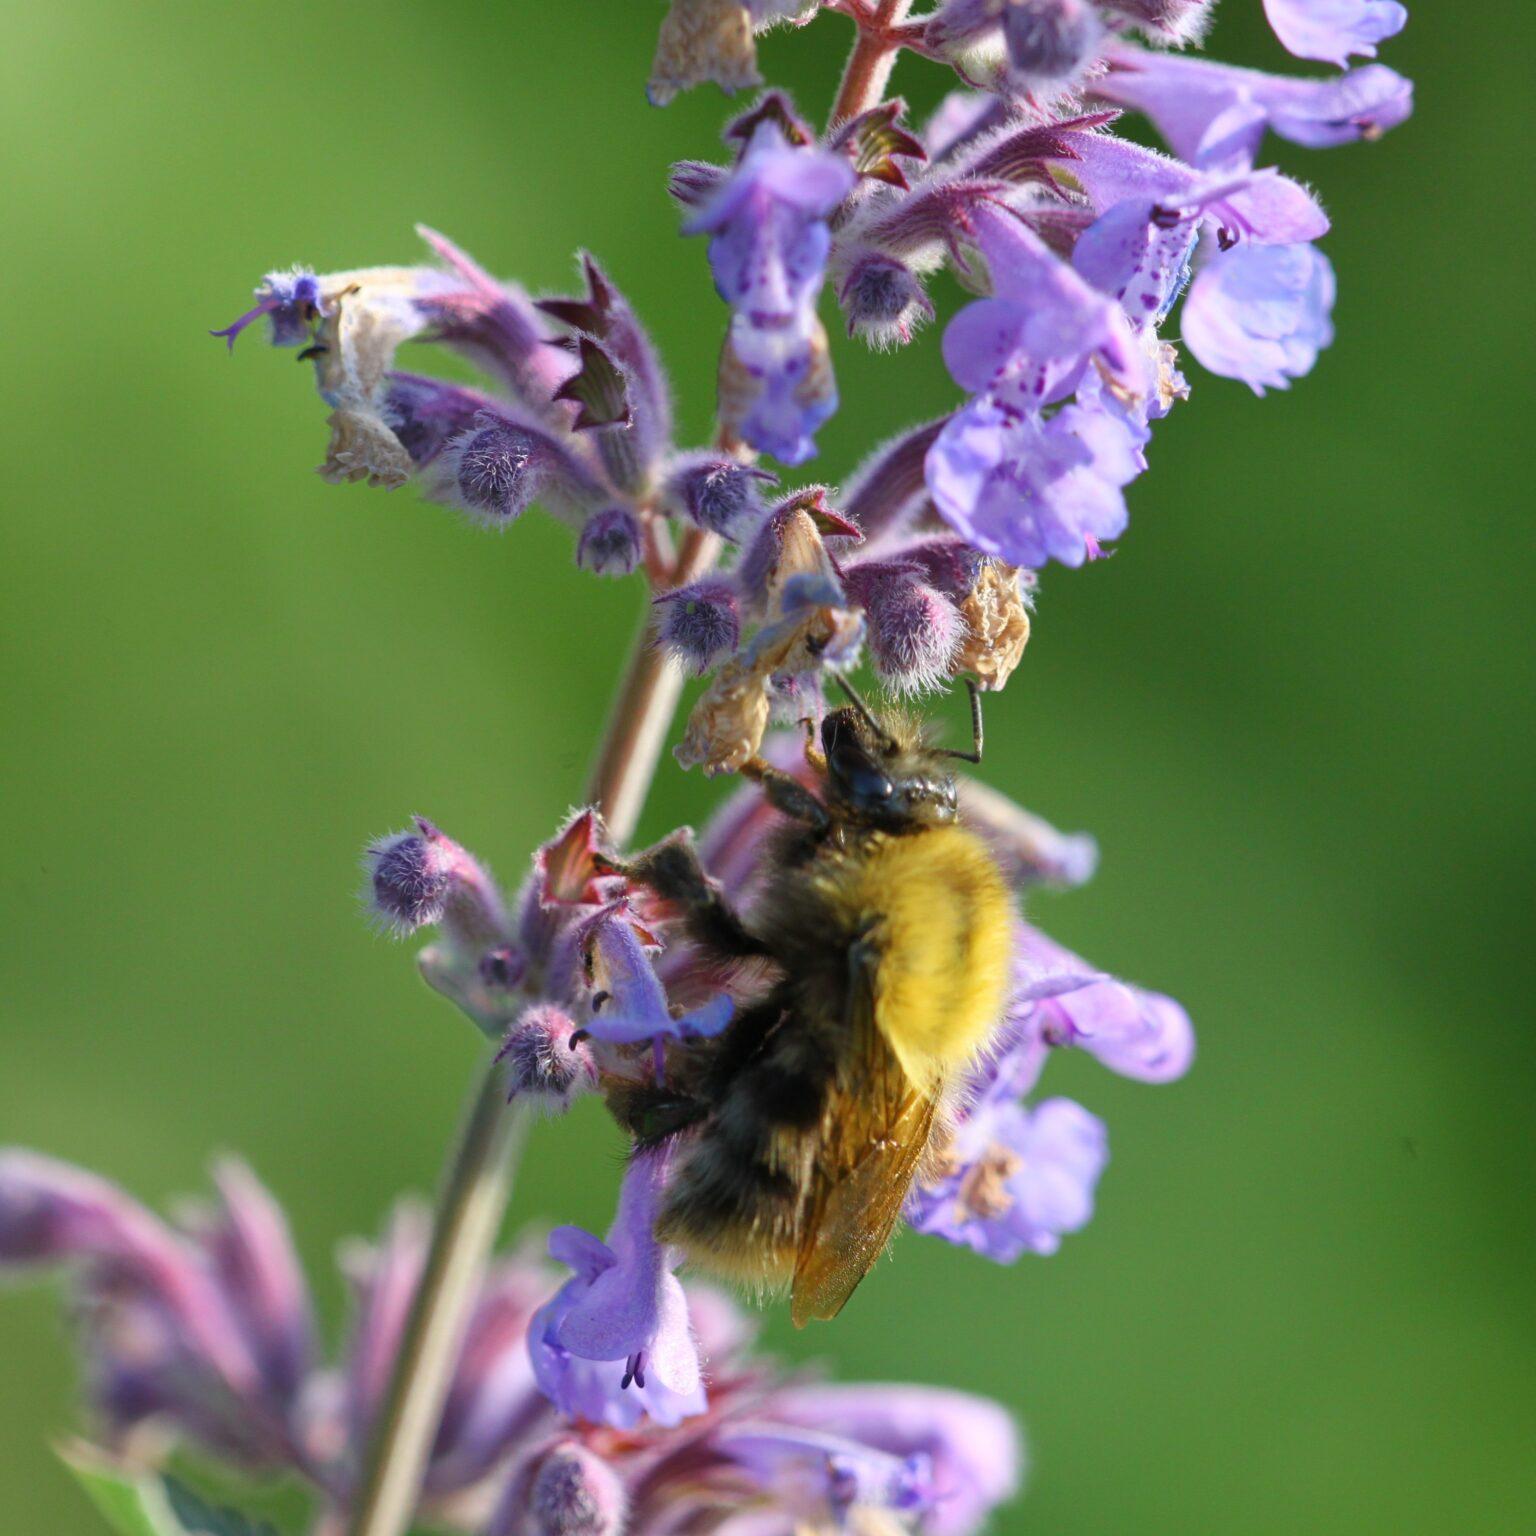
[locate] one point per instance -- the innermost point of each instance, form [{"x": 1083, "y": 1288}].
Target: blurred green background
[{"x": 1294, "y": 708}]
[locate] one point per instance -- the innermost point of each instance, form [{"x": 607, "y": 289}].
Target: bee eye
[{"x": 869, "y": 786}]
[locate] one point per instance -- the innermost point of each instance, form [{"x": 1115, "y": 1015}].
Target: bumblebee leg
[
  {"x": 787, "y": 794},
  {"x": 974, "y": 755},
  {"x": 813, "y": 753},
  {"x": 672, "y": 869}
]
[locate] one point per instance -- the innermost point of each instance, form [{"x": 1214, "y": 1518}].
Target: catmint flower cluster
[
  {"x": 604, "y": 1393},
  {"x": 202, "y": 1333}
]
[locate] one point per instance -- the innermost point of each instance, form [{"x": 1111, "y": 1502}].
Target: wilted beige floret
[
  {"x": 703, "y": 40},
  {"x": 363, "y": 447},
  {"x": 996, "y": 614},
  {"x": 368, "y": 314},
  {"x": 729, "y": 721}
]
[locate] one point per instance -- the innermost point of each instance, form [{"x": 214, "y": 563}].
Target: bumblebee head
[{"x": 882, "y": 778}]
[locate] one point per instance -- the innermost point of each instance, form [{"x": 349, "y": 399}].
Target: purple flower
[
  {"x": 827, "y": 1475},
  {"x": 1014, "y": 1180},
  {"x": 1138, "y": 250},
  {"x": 1050, "y": 41},
  {"x": 1214, "y": 115},
  {"x": 768, "y": 251},
  {"x": 208, "y": 1331},
  {"x": 1034, "y": 337},
  {"x": 1028, "y": 488},
  {"x": 187, "y": 1328},
  {"x": 776, "y": 386},
  {"x": 1260, "y": 313},
  {"x": 290, "y": 300},
  {"x": 613, "y": 1346},
  {"x": 970, "y": 1446},
  {"x": 1331, "y": 30},
  {"x": 1060, "y": 1000},
  {"x": 769, "y": 235},
  {"x": 628, "y": 1002}
]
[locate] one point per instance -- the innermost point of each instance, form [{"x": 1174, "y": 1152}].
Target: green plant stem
[{"x": 479, "y": 1177}]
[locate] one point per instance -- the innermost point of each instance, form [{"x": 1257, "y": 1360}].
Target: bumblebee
[{"x": 883, "y": 931}]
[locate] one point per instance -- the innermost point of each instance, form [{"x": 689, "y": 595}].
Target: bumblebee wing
[{"x": 877, "y": 1128}]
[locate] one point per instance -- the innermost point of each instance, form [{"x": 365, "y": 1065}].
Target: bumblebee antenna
[
  {"x": 865, "y": 713},
  {"x": 974, "y": 755}
]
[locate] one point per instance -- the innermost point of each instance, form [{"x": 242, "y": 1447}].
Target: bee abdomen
[{"x": 735, "y": 1203}]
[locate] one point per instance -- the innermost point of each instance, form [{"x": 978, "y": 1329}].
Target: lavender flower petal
[
  {"x": 1332, "y": 30},
  {"x": 1260, "y": 313}
]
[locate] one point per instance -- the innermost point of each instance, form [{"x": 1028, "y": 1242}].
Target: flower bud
[
  {"x": 699, "y": 625},
  {"x": 721, "y": 495},
  {"x": 495, "y": 472},
  {"x": 543, "y": 1064},
  {"x": 423, "y": 877},
  {"x": 883, "y": 301},
  {"x": 573, "y": 1493},
  {"x": 610, "y": 542},
  {"x": 914, "y": 630},
  {"x": 1050, "y": 41}
]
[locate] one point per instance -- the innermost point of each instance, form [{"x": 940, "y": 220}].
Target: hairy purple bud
[
  {"x": 574, "y": 1494},
  {"x": 543, "y": 1062},
  {"x": 1051, "y": 41},
  {"x": 496, "y": 473},
  {"x": 423, "y": 877},
  {"x": 883, "y": 300},
  {"x": 699, "y": 625},
  {"x": 610, "y": 542},
  {"x": 914, "y": 631},
  {"x": 721, "y": 495},
  {"x": 562, "y": 1490}
]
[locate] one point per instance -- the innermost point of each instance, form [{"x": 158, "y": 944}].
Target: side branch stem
[
  {"x": 869, "y": 66},
  {"x": 479, "y": 1177}
]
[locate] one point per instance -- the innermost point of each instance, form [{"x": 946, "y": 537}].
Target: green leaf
[
  {"x": 130, "y": 1503},
  {"x": 199, "y": 1518},
  {"x": 139, "y": 1503}
]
